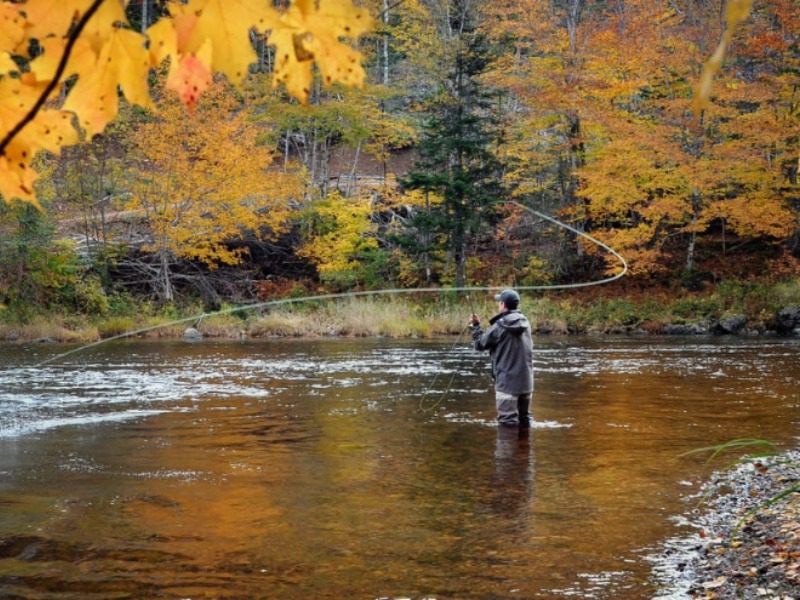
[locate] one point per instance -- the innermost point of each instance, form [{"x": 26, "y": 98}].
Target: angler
[{"x": 510, "y": 345}]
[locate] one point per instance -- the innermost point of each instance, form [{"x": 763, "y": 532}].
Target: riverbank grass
[{"x": 593, "y": 311}]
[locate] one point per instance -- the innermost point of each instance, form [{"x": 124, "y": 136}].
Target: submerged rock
[
  {"x": 191, "y": 334},
  {"x": 688, "y": 329}
]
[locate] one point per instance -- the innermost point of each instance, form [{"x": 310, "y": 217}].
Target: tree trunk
[
  {"x": 690, "y": 252},
  {"x": 573, "y": 19},
  {"x": 693, "y": 237},
  {"x": 426, "y": 240},
  {"x": 313, "y": 166},
  {"x": 325, "y": 166},
  {"x": 145, "y": 15},
  {"x": 385, "y": 48},
  {"x": 167, "y": 291},
  {"x": 351, "y": 186},
  {"x": 286, "y": 149},
  {"x": 461, "y": 262}
]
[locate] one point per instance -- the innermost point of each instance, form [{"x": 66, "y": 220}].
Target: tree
[
  {"x": 88, "y": 51},
  {"x": 339, "y": 232},
  {"x": 641, "y": 170},
  {"x": 200, "y": 182},
  {"x": 91, "y": 177},
  {"x": 458, "y": 150},
  {"x": 341, "y": 116},
  {"x": 661, "y": 175}
]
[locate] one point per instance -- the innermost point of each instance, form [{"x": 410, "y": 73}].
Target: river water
[{"x": 341, "y": 468}]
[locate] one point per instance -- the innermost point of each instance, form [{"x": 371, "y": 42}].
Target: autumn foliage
[
  {"x": 201, "y": 181},
  {"x": 668, "y": 129},
  {"x": 62, "y": 63}
]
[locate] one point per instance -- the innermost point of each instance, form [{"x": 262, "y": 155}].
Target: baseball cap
[{"x": 508, "y": 297}]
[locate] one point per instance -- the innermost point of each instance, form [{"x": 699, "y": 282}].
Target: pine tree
[{"x": 458, "y": 164}]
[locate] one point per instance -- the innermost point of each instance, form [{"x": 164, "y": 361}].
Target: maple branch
[{"x": 62, "y": 65}]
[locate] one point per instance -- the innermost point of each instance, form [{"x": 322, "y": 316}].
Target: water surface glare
[{"x": 330, "y": 469}]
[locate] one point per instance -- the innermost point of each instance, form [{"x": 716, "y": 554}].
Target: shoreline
[
  {"x": 733, "y": 310},
  {"x": 393, "y": 319},
  {"x": 169, "y": 332},
  {"x": 738, "y": 547}
]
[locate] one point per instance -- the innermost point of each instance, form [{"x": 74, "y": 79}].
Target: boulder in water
[
  {"x": 730, "y": 325},
  {"x": 191, "y": 334},
  {"x": 787, "y": 320}
]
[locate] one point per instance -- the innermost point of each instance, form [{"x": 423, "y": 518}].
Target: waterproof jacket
[{"x": 510, "y": 345}]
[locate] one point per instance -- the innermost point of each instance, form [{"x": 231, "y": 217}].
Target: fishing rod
[{"x": 383, "y": 292}]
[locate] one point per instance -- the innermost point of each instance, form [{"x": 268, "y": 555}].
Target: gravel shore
[{"x": 742, "y": 545}]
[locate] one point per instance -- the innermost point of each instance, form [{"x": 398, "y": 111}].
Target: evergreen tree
[{"x": 458, "y": 164}]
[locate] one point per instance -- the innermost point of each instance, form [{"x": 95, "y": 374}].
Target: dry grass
[
  {"x": 54, "y": 329},
  {"x": 362, "y": 317},
  {"x": 405, "y": 316}
]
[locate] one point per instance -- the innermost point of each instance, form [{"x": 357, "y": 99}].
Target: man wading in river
[{"x": 510, "y": 345}]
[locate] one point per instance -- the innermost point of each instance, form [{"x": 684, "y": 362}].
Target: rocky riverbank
[{"x": 745, "y": 540}]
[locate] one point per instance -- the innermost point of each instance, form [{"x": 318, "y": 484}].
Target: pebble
[{"x": 747, "y": 541}]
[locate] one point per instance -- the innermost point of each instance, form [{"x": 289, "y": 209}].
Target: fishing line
[
  {"x": 435, "y": 377},
  {"x": 383, "y": 292}
]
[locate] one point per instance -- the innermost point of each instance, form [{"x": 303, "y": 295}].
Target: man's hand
[{"x": 474, "y": 320}]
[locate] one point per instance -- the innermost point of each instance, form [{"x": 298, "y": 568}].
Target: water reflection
[
  {"x": 511, "y": 486},
  {"x": 328, "y": 469}
]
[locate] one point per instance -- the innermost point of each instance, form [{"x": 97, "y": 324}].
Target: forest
[
  {"x": 364, "y": 176},
  {"x": 402, "y": 175}
]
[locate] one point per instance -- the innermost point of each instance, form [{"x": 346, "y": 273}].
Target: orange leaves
[
  {"x": 189, "y": 73},
  {"x": 190, "y": 76},
  {"x": 205, "y": 36},
  {"x": 108, "y": 57},
  {"x": 104, "y": 58},
  {"x": 201, "y": 181}
]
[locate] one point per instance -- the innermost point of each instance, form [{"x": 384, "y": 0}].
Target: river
[{"x": 298, "y": 469}]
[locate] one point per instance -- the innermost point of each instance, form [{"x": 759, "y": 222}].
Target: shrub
[
  {"x": 90, "y": 297},
  {"x": 116, "y": 325},
  {"x": 695, "y": 307}
]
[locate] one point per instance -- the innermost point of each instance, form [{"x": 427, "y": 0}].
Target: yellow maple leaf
[
  {"x": 49, "y": 130},
  {"x": 336, "y": 18},
  {"x": 123, "y": 61},
  {"x": 290, "y": 70},
  {"x": 102, "y": 22},
  {"x": 7, "y": 64},
  {"x": 312, "y": 33},
  {"x": 132, "y": 65},
  {"x": 12, "y": 26},
  {"x": 163, "y": 41},
  {"x": 15, "y": 184},
  {"x": 53, "y": 17},
  {"x": 227, "y": 24},
  {"x": 81, "y": 59},
  {"x": 17, "y": 97}
]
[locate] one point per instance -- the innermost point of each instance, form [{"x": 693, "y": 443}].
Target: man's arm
[{"x": 484, "y": 340}]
